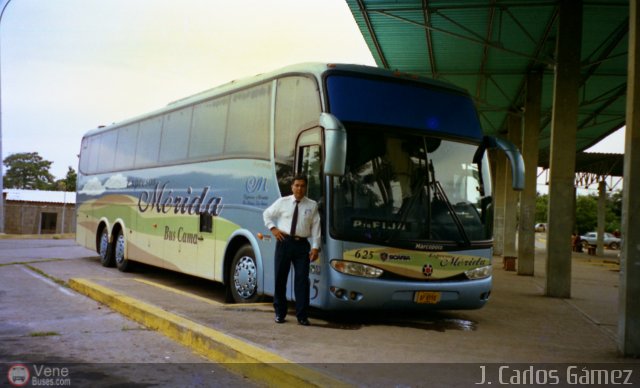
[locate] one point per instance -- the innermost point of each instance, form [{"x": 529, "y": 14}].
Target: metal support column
[
  {"x": 514, "y": 123},
  {"x": 531, "y": 133},
  {"x": 602, "y": 208},
  {"x": 563, "y": 144},
  {"x": 629, "y": 306},
  {"x": 499, "y": 203}
]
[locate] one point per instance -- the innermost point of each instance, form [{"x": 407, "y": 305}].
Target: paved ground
[
  {"x": 43, "y": 323},
  {"x": 517, "y": 328}
]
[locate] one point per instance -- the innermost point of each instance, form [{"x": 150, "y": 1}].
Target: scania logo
[
  {"x": 427, "y": 270},
  {"x": 393, "y": 257}
]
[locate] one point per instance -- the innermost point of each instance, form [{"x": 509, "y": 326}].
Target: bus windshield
[{"x": 410, "y": 189}]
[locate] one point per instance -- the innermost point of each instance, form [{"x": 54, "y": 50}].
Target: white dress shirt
[{"x": 280, "y": 214}]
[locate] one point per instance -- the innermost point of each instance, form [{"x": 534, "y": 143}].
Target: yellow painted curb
[
  {"x": 239, "y": 356},
  {"x": 178, "y": 292}
]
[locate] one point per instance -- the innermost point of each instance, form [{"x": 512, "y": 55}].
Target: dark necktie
[{"x": 294, "y": 220}]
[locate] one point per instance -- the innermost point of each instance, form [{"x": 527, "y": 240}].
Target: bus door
[{"x": 309, "y": 163}]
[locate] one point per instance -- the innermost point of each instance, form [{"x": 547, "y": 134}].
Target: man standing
[{"x": 293, "y": 220}]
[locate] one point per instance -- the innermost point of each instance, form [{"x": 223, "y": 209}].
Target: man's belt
[{"x": 296, "y": 238}]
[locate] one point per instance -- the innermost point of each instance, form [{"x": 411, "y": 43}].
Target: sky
[{"x": 68, "y": 66}]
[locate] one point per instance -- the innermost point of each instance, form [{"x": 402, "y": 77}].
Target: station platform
[{"x": 518, "y": 328}]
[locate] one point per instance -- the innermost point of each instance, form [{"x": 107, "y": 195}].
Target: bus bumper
[{"x": 350, "y": 292}]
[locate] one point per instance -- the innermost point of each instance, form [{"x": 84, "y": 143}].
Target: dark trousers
[{"x": 296, "y": 252}]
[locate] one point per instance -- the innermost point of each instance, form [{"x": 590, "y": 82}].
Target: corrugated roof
[
  {"x": 489, "y": 46},
  {"x": 39, "y": 196}
]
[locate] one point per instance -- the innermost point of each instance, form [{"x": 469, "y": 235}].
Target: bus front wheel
[
  {"x": 104, "y": 249},
  {"x": 243, "y": 276}
]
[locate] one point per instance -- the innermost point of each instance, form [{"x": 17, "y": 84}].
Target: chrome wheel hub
[
  {"x": 244, "y": 277},
  {"x": 120, "y": 249},
  {"x": 104, "y": 244}
]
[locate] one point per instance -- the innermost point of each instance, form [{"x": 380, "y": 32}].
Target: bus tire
[
  {"x": 105, "y": 250},
  {"x": 243, "y": 276},
  {"x": 123, "y": 264}
]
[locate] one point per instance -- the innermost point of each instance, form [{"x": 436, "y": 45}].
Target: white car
[
  {"x": 591, "y": 238},
  {"x": 541, "y": 227}
]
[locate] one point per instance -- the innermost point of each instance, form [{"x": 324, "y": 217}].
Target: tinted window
[
  {"x": 85, "y": 155},
  {"x": 175, "y": 135},
  {"x": 125, "y": 152},
  {"x": 208, "y": 128},
  {"x": 310, "y": 163},
  {"x": 403, "y": 104},
  {"x": 249, "y": 122},
  {"x": 148, "y": 142},
  {"x": 106, "y": 150},
  {"x": 297, "y": 108},
  {"x": 406, "y": 188}
]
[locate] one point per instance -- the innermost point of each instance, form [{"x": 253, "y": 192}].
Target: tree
[
  {"x": 27, "y": 170},
  {"x": 587, "y": 211},
  {"x": 614, "y": 211},
  {"x": 68, "y": 183},
  {"x": 542, "y": 203}
]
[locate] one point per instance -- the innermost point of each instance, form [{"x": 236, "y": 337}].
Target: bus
[{"x": 398, "y": 164}]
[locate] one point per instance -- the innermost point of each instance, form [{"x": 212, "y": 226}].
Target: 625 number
[{"x": 364, "y": 254}]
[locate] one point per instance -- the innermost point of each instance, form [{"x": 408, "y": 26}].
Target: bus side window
[
  {"x": 310, "y": 166},
  {"x": 309, "y": 161},
  {"x": 297, "y": 108}
]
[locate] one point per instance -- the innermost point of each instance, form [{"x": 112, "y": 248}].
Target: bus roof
[{"x": 317, "y": 69}]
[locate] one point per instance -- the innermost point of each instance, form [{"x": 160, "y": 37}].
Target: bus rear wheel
[
  {"x": 123, "y": 264},
  {"x": 243, "y": 276},
  {"x": 104, "y": 249}
]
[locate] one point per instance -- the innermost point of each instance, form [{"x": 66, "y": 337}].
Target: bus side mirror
[
  {"x": 335, "y": 145},
  {"x": 512, "y": 153}
]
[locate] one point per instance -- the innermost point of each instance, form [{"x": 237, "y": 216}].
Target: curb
[
  {"x": 56, "y": 236},
  {"x": 236, "y": 355}
]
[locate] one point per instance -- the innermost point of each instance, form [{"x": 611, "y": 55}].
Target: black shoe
[
  {"x": 279, "y": 319},
  {"x": 304, "y": 322}
]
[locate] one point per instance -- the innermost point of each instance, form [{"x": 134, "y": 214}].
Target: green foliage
[
  {"x": 68, "y": 183},
  {"x": 613, "y": 216},
  {"x": 587, "y": 211},
  {"x": 27, "y": 170},
  {"x": 542, "y": 204}
]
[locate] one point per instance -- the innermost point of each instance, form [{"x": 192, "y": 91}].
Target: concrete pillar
[
  {"x": 514, "y": 123},
  {"x": 499, "y": 203},
  {"x": 602, "y": 208},
  {"x": 629, "y": 306},
  {"x": 564, "y": 123},
  {"x": 531, "y": 133}
]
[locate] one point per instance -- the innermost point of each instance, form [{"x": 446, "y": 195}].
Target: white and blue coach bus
[{"x": 397, "y": 163}]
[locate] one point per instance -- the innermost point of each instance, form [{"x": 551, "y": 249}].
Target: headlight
[
  {"x": 356, "y": 269},
  {"x": 480, "y": 272}
]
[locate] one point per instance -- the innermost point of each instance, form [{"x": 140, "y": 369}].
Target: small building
[{"x": 39, "y": 211}]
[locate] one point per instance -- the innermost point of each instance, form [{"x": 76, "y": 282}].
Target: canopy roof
[{"x": 489, "y": 46}]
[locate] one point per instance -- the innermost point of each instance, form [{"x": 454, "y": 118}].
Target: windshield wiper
[{"x": 440, "y": 194}]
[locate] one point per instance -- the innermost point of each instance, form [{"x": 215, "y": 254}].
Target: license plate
[{"x": 427, "y": 297}]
